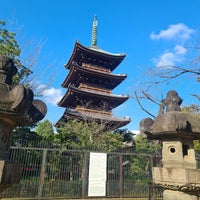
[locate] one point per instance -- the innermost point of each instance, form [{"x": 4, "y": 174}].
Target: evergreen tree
[
  {"x": 45, "y": 131},
  {"x": 80, "y": 134},
  {"x": 144, "y": 147},
  {"x": 24, "y": 133}
]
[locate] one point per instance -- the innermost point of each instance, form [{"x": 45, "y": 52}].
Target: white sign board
[{"x": 97, "y": 174}]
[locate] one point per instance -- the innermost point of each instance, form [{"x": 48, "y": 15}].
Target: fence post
[
  {"x": 121, "y": 174},
  {"x": 42, "y": 173},
  {"x": 84, "y": 171}
]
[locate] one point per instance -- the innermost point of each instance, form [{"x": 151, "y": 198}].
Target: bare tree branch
[
  {"x": 149, "y": 97},
  {"x": 167, "y": 73},
  {"x": 142, "y": 106},
  {"x": 197, "y": 96}
]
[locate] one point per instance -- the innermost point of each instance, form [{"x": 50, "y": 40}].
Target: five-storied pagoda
[{"x": 89, "y": 85}]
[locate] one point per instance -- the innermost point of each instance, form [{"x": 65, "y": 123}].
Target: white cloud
[
  {"x": 176, "y": 31},
  {"x": 52, "y": 95},
  {"x": 165, "y": 59},
  {"x": 180, "y": 50},
  {"x": 135, "y": 132},
  {"x": 177, "y": 55}
]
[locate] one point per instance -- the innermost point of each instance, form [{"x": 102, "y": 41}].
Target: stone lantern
[
  {"x": 17, "y": 108},
  {"x": 178, "y": 174}
]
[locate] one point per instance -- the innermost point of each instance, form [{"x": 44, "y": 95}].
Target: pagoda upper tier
[
  {"x": 91, "y": 97},
  {"x": 91, "y": 75},
  {"x": 94, "y": 56}
]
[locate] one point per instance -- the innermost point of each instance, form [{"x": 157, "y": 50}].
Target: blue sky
[{"x": 150, "y": 33}]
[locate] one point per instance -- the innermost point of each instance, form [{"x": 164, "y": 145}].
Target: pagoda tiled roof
[
  {"x": 79, "y": 74},
  {"x": 96, "y": 99},
  {"x": 94, "y": 55},
  {"x": 111, "y": 122}
]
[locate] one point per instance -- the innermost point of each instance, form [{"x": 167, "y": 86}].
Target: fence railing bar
[{"x": 80, "y": 151}]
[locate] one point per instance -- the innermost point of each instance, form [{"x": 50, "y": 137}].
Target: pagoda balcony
[
  {"x": 95, "y": 68},
  {"x": 76, "y": 96},
  {"x": 92, "y": 111},
  {"x": 91, "y": 88}
]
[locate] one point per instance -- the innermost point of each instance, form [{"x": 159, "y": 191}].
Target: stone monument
[
  {"x": 178, "y": 174},
  {"x": 17, "y": 108}
]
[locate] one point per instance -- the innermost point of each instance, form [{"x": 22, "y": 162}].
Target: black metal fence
[{"x": 63, "y": 173}]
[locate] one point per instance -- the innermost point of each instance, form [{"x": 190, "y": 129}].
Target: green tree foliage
[
  {"x": 45, "y": 131},
  {"x": 8, "y": 44},
  {"x": 144, "y": 148},
  {"x": 24, "y": 133},
  {"x": 144, "y": 145},
  {"x": 42, "y": 132},
  {"x": 128, "y": 137},
  {"x": 9, "y": 47},
  {"x": 193, "y": 110},
  {"x": 108, "y": 141},
  {"x": 88, "y": 135},
  {"x": 196, "y": 145}
]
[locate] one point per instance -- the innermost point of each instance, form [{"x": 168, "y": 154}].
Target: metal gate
[{"x": 63, "y": 173}]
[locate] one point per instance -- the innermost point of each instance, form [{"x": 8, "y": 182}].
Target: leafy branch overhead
[
  {"x": 9, "y": 47},
  {"x": 8, "y": 44}
]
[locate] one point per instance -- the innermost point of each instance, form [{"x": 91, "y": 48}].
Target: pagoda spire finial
[{"x": 94, "y": 32}]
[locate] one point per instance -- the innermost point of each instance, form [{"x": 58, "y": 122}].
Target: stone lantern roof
[{"x": 173, "y": 123}]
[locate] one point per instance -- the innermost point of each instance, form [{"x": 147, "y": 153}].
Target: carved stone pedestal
[
  {"x": 181, "y": 182},
  {"x": 176, "y": 195}
]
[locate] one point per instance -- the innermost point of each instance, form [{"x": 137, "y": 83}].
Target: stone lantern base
[
  {"x": 10, "y": 173},
  {"x": 178, "y": 183}
]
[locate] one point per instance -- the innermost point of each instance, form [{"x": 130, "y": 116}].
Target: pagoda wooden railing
[
  {"x": 82, "y": 109},
  {"x": 88, "y": 66},
  {"x": 84, "y": 86}
]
